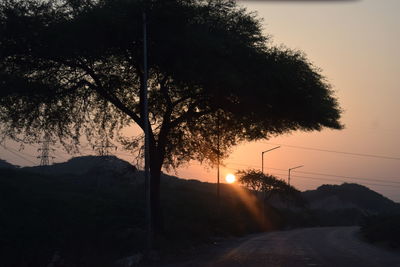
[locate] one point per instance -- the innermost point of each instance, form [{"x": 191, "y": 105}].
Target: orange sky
[{"x": 356, "y": 45}]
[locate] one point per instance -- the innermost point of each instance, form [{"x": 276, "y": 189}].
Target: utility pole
[
  {"x": 262, "y": 157},
  {"x": 103, "y": 150},
  {"x": 45, "y": 151},
  {"x": 218, "y": 150},
  {"x": 293, "y": 169},
  {"x": 262, "y": 171},
  {"x": 145, "y": 116}
]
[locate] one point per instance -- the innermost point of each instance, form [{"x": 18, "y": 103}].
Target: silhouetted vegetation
[
  {"x": 384, "y": 229},
  {"x": 45, "y": 214},
  {"x": 92, "y": 218},
  {"x": 42, "y": 215},
  {"x": 270, "y": 186},
  {"x": 72, "y": 68}
]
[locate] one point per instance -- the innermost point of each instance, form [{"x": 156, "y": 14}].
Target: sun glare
[{"x": 230, "y": 178}]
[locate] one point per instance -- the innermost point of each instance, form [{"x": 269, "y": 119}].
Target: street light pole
[
  {"x": 262, "y": 157},
  {"x": 262, "y": 171},
  {"x": 145, "y": 115},
  {"x": 293, "y": 169},
  {"x": 218, "y": 158}
]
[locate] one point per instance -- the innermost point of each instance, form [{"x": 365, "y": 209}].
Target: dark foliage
[
  {"x": 91, "y": 226},
  {"x": 42, "y": 215},
  {"x": 66, "y": 68},
  {"x": 383, "y": 229},
  {"x": 270, "y": 186},
  {"x": 74, "y": 67}
]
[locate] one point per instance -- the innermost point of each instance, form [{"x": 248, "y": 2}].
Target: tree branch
[
  {"x": 98, "y": 87},
  {"x": 166, "y": 122},
  {"x": 190, "y": 114}
]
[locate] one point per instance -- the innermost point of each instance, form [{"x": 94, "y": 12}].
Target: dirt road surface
[{"x": 325, "y": 246}]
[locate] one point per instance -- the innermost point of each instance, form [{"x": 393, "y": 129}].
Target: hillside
[
  {"x": 347, "y": 204},
  {"x": 5, "y": 165},
  {"x": 86, "y": 224},
  {"x": 91, "y": 170},
  {"x": 84, "y": 164},
  {"x": 349, "y": 196}
]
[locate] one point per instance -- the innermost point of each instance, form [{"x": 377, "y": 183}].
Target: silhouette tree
[
  {"x": 269, "y": 186},
  {"x": 73, "y": 68}
]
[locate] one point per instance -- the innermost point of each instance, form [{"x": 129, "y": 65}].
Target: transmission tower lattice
[
  {"x": 45, "y": 151},
  {"x": 104, "y": 148}
]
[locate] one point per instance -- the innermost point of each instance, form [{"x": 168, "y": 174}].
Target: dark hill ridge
[
  {"x": 84, "y": 164},
  {"x": 5, "y": 165},
  {"x": 350, "y": 196},
  {"x": 95, "y": 167},
  {"x": 91, "y": 170},
  {"x": 106, "y": 170}
]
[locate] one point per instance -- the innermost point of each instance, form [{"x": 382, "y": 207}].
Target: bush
[{"x": 384, "y": 229}]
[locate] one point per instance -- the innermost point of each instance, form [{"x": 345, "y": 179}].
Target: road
[{"x": 325, "y": 246}]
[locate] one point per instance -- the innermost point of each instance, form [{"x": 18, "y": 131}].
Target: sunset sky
[{"x": 356, "y": 45}]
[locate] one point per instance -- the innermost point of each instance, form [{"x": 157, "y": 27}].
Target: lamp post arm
[
  {"x": 262, "y": 157},
  {"x": 292, "y": 169}
]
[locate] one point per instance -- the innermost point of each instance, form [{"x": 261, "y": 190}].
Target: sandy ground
[{"x": 324, "y": 246}]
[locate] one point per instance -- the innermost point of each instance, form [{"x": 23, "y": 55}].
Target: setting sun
[{"x": 230, "y": 178}]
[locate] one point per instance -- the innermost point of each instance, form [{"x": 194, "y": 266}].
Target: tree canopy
[
  {"x": 68, "y": 65},
  {"x": 269, "y": 185},
  {"x": 74, "y": 67}
]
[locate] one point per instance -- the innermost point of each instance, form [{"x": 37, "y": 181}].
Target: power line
[
  {"x": 350, "y": 177},
  {"x": 337, "y": 151},
  {"x": 321, "y": 179},
  {"x": 123, "y": 154},
  {"x": 245, "y": 165},
  {"x": 116, "y": 153},
  {"x": 59, "y": 156},
  {"x": 55, "y": 152},
  {"x": 282, "y": 174},
  {"x": 326, "y": 174},
  {"x": 20, "y": 152},
  {"x": 104, "y": 148},
  {"x": 363, "y": 183},
  {"x": 18, "y": 155},
  {"x": 336, "y": 180}
]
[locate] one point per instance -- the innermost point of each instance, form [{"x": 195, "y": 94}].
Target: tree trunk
[
  {"x": 155, "y": 201},
  {"x": 157, "y": 156}
]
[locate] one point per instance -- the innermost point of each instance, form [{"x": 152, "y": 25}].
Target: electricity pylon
[
  {"x": 103, "y": 149},
  {"x": 45, "y": 151}
]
